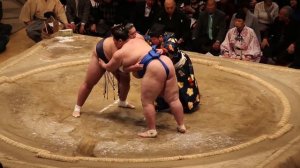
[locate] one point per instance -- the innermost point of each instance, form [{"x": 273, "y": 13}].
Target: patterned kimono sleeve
[
  {"x": 226, "y": 47},
  {"x": 27, "y": 11},
  {"x": 60, "y": 12},
  {"x": 253, "y": 47}
]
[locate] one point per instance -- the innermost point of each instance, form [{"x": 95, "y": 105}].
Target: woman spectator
[{"x": 266, "y": 12}]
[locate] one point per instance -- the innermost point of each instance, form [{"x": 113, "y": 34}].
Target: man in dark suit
[
  {"x": 104, "y": 14},
  {"x": 175, "y": 22},
  {"x": 279, "y": 40},
  {"x": 78, "y": 12},
  {"x": 144, "y": 14},
  {"x": 210, "y": 30}
]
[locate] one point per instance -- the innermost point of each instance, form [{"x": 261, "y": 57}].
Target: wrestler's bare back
[{"x": 109, "y": 47}]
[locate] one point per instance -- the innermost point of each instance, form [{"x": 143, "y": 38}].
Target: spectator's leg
[
  {"x": 267, "y": 55},
  {"x": 296, "y": 61},
  {"x": 34, "y": 30},
  {"x": 3, "y": 41},
  {"x": 284, "y": 58},
  {"x": 5, "y": 29}
]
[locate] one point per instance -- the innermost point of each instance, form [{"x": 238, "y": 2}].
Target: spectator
[
  {"x": 266, "y": 12},
  {"x": 78, "y": 12},
  {"x": 104, "y": 14},
  {"x": 296, "y": 9},
  {"x": 250, "y": 21},
  {"x": 144, "y": 15},
  {"x": 5, "y": 30},
  {"x": 192, "y": 10},
  {"x": 228, "y": 7},
  {"x": 210, "y": 30},
  {"x": 281, "y": 3},
  {"x": 198, "y": 6},
  {"x": 241, "y": 42},
  {"x": 175, "y": 22},
  {"x": 296, "y": 61},
  {"x": 279, "y": 42},
  {"x": 252, "y": 5},
  {"x": 32, "y": 14},
  {"x": 126, "y": 10}
]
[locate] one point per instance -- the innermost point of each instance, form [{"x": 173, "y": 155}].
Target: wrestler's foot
[
  {"x": 76, "y": 114},
  {"x": 148, "y": 134},
  {"x": 181, "y": 128},
  {"x": 125, "y": 104}
]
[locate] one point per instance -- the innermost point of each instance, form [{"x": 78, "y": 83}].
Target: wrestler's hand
[
  {"x": 160, "y": 51},
  {"x": 102, "y": 63}
]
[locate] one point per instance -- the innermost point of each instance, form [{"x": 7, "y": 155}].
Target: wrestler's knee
[
  {"x": 34, "y": 35},
  {"x": 172, "y": 98},
  {"x": 88, "y": 85},
  {"x": 124, "y": 79},
  {"x": 124, "y": 76}
]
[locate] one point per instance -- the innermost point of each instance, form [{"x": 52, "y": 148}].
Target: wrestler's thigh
[
  {"x": 122, "y": 77},
  {"x": 171, "y": 92},
  {"x": 94, "y": 71},
  {"x": 151, "y": 88}
]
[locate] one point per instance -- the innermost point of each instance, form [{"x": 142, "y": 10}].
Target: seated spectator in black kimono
[
  {"x": 278, "y": 43},
  {"x": 175, "y": 22}
]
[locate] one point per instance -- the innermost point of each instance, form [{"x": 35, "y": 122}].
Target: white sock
[
  {"x": 123, "y": 103},
  {"x": 77, "y": 108}
]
